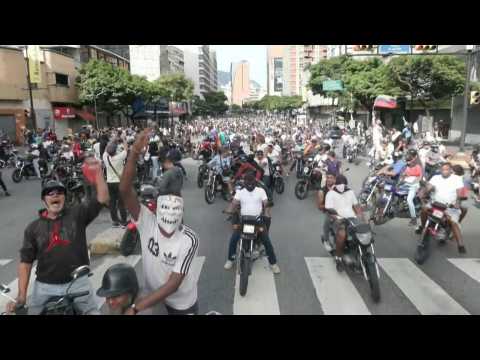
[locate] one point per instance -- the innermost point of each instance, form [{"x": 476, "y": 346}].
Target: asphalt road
[{"x": 447, "y": 283}]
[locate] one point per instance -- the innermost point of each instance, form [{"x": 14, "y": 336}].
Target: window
[{"x": 61, "y": 79}]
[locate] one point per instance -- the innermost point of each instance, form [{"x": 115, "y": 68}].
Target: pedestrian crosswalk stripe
[
  {"x": 426, "y": 295},
  {"x": 105, "y": 263},
  {"x": 261, "y": 297},
  {"x": 335, "y": 291},
  {"x": 471, "y": 267},
  {"x": 4, "y": 262}
]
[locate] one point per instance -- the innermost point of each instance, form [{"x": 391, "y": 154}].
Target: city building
[
  {"x": 55, "y": 98},
  {"x": 275, "y": 57},
  {"x": 201, "y": 67},
  {"x": 152, "y": 61},
  {"x": 122, "y": 50},
  {"x": 240, "y": 82},
  {"x": 227, "y": 90},
  {"x": 256, "y": 92},
  {"x": 297, "y": 58}
]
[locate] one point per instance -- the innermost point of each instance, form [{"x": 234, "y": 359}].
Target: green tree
[
  {"x": 216, "y": 102},
  {"x": 176, "y": 86},
  {"x": 428, "y": 79}
]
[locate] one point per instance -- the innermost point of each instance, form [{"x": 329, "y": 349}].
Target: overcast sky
[{"x": 256, "y": 55}]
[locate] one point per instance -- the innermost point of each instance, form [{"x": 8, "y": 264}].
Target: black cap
[
  {"x": 52, "y": 185},
  {"x": 119, "y": 279}
]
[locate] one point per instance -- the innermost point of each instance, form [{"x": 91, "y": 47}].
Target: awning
[
  {"x": 385, "y": 101},
  {"x": 85, "y": 115}
]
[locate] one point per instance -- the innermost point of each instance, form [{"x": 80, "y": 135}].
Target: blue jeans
[
  {"x": 42, "y": 292},
  {"x": 412, "y": 192},
  {"x": 155, "y": 166},
  {"x": 232, "y": 248}
]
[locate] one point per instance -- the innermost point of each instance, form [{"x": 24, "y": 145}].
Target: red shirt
[
  {"x": 244, "y": 168},
  {"x": 413, "y": 171}
]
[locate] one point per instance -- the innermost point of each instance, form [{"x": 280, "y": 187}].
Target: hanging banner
[{"x": 34, "y": 64}]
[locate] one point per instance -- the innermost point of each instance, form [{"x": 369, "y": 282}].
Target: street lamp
[{"x": 95, "y": 105}]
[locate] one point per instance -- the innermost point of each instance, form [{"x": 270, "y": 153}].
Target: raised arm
[{"x": 127, "y": 192}]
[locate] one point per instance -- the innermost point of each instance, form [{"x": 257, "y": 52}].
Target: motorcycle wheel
[
  {"x": 17, "y": 175},
  {"x": 244, "y": 273},
  {"x": 279, "y": 186},
  {"x": 373, "y": 279},
  {"x": 301, "y": 190},
  {"x": 422, "y": 249},
  {"x": 200, "y": 180},
  {"x": 209, "y": 194},
  {"x": 129, "y": 243}
]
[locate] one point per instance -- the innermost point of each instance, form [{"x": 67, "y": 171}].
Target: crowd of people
[{"x": 238, "y": 148}]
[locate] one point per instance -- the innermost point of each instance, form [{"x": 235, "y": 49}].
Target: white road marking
[
  {"x": 4, "y": 262},
  {"x": 261, "y": 297},
  {"x": 426, "y": 295},
  {"x": 335, "y": 291},
  {"x": 471, "y": 267}
]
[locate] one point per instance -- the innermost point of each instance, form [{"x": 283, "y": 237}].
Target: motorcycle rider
[
  {"x": 395, "y": 169},
  {"x": 168, "y": 247},
  {"x": 447, "y": 190},
  {"x": 330, "y": 181},
  {"x": 411, "y": 176},
  {"x": 432, "y": 159},
  {"x": 222, "y": 163},
  {"x": 343, "y": 200},
  {"x": 119, "y": 287},
  {"x": 34, "y": 154},
  {"x": 58, "y": 243},
  {"x": 253, "y": 201},
  {"x": 172, "y": 180}
]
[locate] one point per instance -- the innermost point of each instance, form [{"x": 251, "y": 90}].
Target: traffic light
[
  {"x": 364, "y": 47},
  {"x": 425, "y": 47},
  {"x": 474, "y": 97}
]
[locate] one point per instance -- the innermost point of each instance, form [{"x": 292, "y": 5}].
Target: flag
[{"x": 34, "y": 64}]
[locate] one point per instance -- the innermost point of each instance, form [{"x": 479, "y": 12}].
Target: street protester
[{"x": 57, "y": 242}]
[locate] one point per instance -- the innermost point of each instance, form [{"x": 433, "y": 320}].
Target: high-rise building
[
  {"x": 240, "y": 82},
  {"x": 152, "y": 61},
  {"x": 201, "y": 67},
  {"x": 275, "y": 61},
  {"x": 297, "y": 59}
]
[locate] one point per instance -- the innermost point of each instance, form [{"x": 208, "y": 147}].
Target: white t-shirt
[
  {"x": 161, "y": 256},
  {"x": 251, "y": 202},
  {"x": 446, "y": 189},
  {"x": 264, "y": 165},
  {"x": 342, "y": 203},
  {"x": 96, "y": 149},
  {"x": 117, "y": 163}
]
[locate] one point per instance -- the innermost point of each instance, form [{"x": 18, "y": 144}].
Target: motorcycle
[
  {"x": 130, "y": 241},
  {"x": 299, "y": 163},
  {"x": 216, "y": 184},
  {"x": 352, "y": 152},
  {"x": 359, "y": 253},
  {"x": 277, "y": 178},
  {"x": 311, "y": 179},
  {"x": 56, "y": 305},
  {"x": 249, "y": 249},
  {"x": 9, "y": 159},
  {"x": 392, "y": 202},
  {"x": 24, "y": 168},
  {"x": 437, "y": 227}
]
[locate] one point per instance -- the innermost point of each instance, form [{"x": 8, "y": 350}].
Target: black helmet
[
  {"x": 52, "y": 185},
  {"x": 412, "y": 152},
  {"x": 119, "y": 279}
]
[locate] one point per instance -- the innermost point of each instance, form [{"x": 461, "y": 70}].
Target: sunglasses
[{"x": 55, "y": 192}]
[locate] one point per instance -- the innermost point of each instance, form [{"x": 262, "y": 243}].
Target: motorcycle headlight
[
  {"x": 364, "y": 238},
  {"x": 19, "y": 163},
  {"x": 305, "y": 170},
  {"x": 278, "y": 168},
  {"x": 249, "y": 229}
]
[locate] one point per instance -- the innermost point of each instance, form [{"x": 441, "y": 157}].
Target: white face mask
[
  {"x": 169, "y": 212},
  {"x": 340, "y": 188}
]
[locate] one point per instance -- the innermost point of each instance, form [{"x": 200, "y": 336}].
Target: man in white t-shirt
[
  {"x": 446, "y": 187},
  {"x": 168, "y": 247},
  {"x": 253, "y": 201},
  {"x": 345, "y": 203}
]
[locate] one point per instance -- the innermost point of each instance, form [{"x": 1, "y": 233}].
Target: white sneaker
[
  {"x": 275, "y": 269},
  {"x": 228, "y": 265},
  {"x": 327, "y": 246}
]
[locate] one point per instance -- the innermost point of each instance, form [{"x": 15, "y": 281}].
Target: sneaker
[
  {"x": 228, "y": 265},
  {"x": 7, "y": 193},
  {"x": 275, "y": 269},
  {"x": 327, "y": 245},
  {"x": 115, "y": 225},
  {"x": 413, "y": 222},
  {"x": 462, "y": 250},
  {"x": 339, "y": 264}
]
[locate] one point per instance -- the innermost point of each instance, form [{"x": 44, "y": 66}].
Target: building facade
[
  {"x": 152, "y": 61},
  {"x": 240, "y": 82},
  {"x": 121, "y": 50},
  {"x": 297, "y": 59},
  {"x": 201, "y": 67},
  {"x": 275, "y": 61}
]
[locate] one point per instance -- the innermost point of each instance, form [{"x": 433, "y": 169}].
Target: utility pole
[
  {"x": 470, "y": 54},
  {"x": 32, "y": 110}
]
